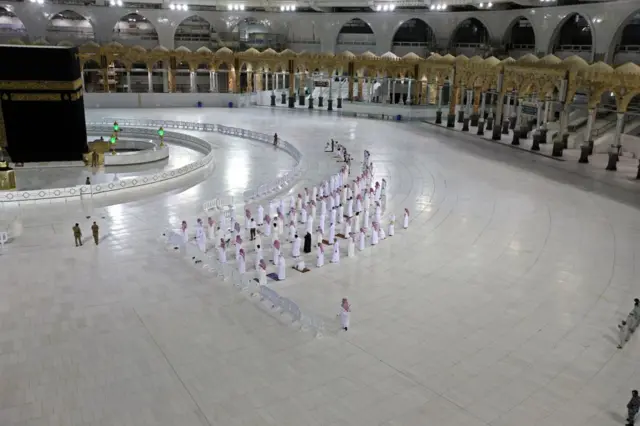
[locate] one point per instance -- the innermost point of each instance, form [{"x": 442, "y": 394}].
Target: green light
[
  {"x": 113, "y": 139},
  {"x": 116, "y": 126},
  {"x": 160, "y": 131}
]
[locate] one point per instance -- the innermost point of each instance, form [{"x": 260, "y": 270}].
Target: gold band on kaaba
[
  {"x": 38, "y": 97},
  {"x": 54, "y": 86}
]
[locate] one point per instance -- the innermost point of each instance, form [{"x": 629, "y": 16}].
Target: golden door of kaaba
[{"x": 41, "y": 104}]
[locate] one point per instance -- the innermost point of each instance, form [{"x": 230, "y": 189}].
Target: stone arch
[
  {"x": 563, "y": 37},
  {"x": 413, "y": 31},
  {"x": 194, "y": 32},
  {"x": 11, "y": 26},
  {"x": 355, "y": 35},
  {"x": 471, "y": 33},
  {"x": 69, "y": 25},
  {"x": 624, "y": 39},
  {"x": 520, "y": 32},
  {"x": 135, "y": 29}
]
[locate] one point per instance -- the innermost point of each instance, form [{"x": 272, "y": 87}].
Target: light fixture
[
  {"x": 242, "y": 7},
  {"x": 385, "y": 7},
  {"x": 392, "y": 7},
  {"x": 293, "y": 7},
  {"x": 40, "y": 1},
  {"x": 281, "y": 8},
  {"x": 171, "y": 6},
  {"x": 481, "y": 5},
  {"x": 489, "y": 5},
  {"x": 119, "y": 3},
  {"x": 378, "y": 8},
  {"x": 433, "y": 7},
  {"x": 230, "y": 7},
  {"x": 444, "y": 6}
]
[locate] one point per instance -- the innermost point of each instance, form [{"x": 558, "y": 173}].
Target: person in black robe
[{"x": 307, "y": 243}]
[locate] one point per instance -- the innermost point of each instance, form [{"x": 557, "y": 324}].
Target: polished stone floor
[{"x": 497, "y": 307}]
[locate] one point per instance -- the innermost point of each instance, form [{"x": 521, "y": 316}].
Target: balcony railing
[{"x": 574, "y": 47}]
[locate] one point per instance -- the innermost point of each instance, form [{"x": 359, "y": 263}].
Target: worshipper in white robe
[
  {"x": 267, "y": 228},
  {"x": 359, "y": 203},
  {"x": 319, "y": 235},
  {"x": 257, "y": 241},
  {"x": 247, "y": 219},
  {"x": 260, "y": 218},
  {"x": 309, "y": 228},
  {"x": 350, "y": 207},
  {"x": 335, "y": 258},
  {"x": 383, "y": 188},
  {"x": 376, "y": 193},
  {"x": 314, "y": 193},
  {"x": 184, "y": 232},
  {"x": 321, "y": 223},
  {"x": 303, "y": 215},
  {"x": 299, "y": 203},
  {"x": 242, "y": 266},
  {"x": 295, "y": 248},
  {"x": 292, "y": 231},
  {"x": 293, "y": 215},
  {"x": 258, "y": 256},
  {"x": 392, "y": 225},
  {"x": 222, "y": 251},
  {"x": 383, "y": 234},
  {"x": 356, "y": 224},
  {"x": 320, "y": 255},
  {"x": 292, "y": 202},
  {"x": 306, "y": 196},
  {"x": 334, "y": 214},
  {"x": 361, "y": 240},
  {"x": 222, "y": 221},
  {"x": 211, "y": 230},
  {"x": 262, "y": 273},
  {"x": 201, "y": 238},
  {"x": 351, "y": 246},
  {"x": 281, "y": 206},
  {"x": 330, "y": 202},
  {"x": 336, "y": 198},
  {"x": 276, "y": 252},
  {"x": 238, "y": 245},
  {"x": 377, "y": 212},
  {"x": 346, "y": 230},
  {"x": 272, "y": 208},
  {"x": 405, "y": 222},
  {"x": 313, "y": 209},
  {"x": 375, "y": 235},
  {"x": 280, "y": 224},
  {"x": 366, "y": 201},
  {"x": 345, "y": 314},
  {"x": 343, "y": 195},
  {"x": 340, "y": 213},
  {"x": 365, "y": 219},
  {"x": 332, "y": 232},
  {"x": 282, "y": 265}
]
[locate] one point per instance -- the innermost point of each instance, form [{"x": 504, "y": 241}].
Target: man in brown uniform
[
  {"x": 77, "y": 234},
  {"x": 94, "y": 229}
]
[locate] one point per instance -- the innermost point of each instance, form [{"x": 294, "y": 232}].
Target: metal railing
[{"x": 244, "y": 283}]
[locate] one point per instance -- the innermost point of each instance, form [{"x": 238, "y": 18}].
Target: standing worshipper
[
  {"x": 319, "y": 255},
  {"x": 392, "y": 225},
  {"x": 313, "y": 209},
  {"x": 306, "y": 196},
  {"x": 632, "y": 408},
  {"x": 259, "y": 257},
  {"x": 350, "y": 207},
  {"x": 365, "y": 219},
  {"x": 351, "y": 247},
  {"x": 309, "y": 224},
  {"x": 334, "y": 212},
  {"x": 319, "y": 235},
  {"x": 262, "y": 273},
  {"x": 236, "y": 228},
  {"x": 303, "y": 214},
  {"x": 335, "y": 258},
  {"x": 252, "y": 229},
  {"x": 307, "y": 242},
  {"x": 280, "y": 223},
  {"x": 340, "y": 213},
  {"x": 276, "y": 252},
  {"x": 211, "y": 229},
  {"x": 247, "y": 219},
  {"x": 281, "y": 268},
  {"x": 260, "y": 215},
  {"x": 332, "y": 232},
  {"x": 242, "y": 266},
  {"x": 636, "y": 314},
  {"x": 292, "y": 231},
  {"x": 374, "y": 234},
  {"x": 222, "y": 251},
  {"x": 299, "y": 203},
  {"x": 267, "y": 228},
  {"x": 314, "y": 193},
  {"x": 238, "y": 245},
  {"x": 361, "y": 238},
  {"x": 272, "y": 208},
  {"x": 378, "y": 212},
  {"x": 405, "y": 222},
  {"x": 323, "y": 206},
  {"x": 346, "y": 230},
  {"x": 623, "y": 334},
  {"x": 201, "y": 238},
  {"x": 257, "y": 241},
  {"x": 295, "y": 249},
  {"x": 356, "y": 225},
  {"x": 321, "y": 223},
  {"x": 359, "y": 203},
  {"x": 383, "y": 234},
  {"x": 345, "y": 314}
]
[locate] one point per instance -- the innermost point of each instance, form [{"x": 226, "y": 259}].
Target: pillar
[
  {"x": 292, "y": 82},
  {"x": 192, "y": 81},
  {"x": 515, "y": 124},
  {"x": 128, "y": 81},
  {"x": 393, "y": 91},
  {"x": 453, "y": 101},
  {"x": 616, "y": 147},
  {"x": 459, "y": 99},
  {"x": 330, "y": 101},
  {"x": 389, "y": 90},
  {"x": 409, "y": 94},
  {"x": 149, "y": 81},
  {"x": 480, "y": 114},
  {"x": 586, "y": 148},
  {"x": 439, "y": 108},
  {"x": 475, "y": 114}
]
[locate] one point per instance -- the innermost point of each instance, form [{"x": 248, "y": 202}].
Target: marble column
[
  {"x": 149, "y": 81},
  {"x": 408, "y": 93},
  {"x": 616, "y": 147},
  {"x": 128, "y": 81},
  {"x": 587, "y": 146},
  {"x": 480, "y": 116},
  {"x": 192, "y": 81},
  {"x": 439, "y": 108}
]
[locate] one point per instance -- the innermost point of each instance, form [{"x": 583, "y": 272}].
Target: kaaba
[{"x": 41, "y": 104}]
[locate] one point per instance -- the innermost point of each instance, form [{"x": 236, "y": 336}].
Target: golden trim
[
  {"x": 41, "y": 85},
  {"x": 75, "y": 96},
  {"x": 36, "y": 97}
]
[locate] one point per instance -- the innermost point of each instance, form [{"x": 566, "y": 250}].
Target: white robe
[
  {"x": 260, "y": 218},
  {"x": 258, "y": 258},
  {"x": 242, "y": 267},
  {"x": 310, "y": 225},
  {"x": 345, "y": 317},
  {"x": 319, "y": 237},
  {"x": 349, "y": 208},
  {"x": 314, "y": 193},
  {"x": 347, "y": 229},
  {"x": 361, "y": 244},
  {"x": 281, "y": 269},
  {"x": 323, "y": 207},
  {"x": 336, "y": 199},
  {"x": 314, "y": 210},
  {"x": 405, "y": 223},
  {"x": 306, "y": 198},
  {"x": 358, "y": 205},
  {"x": 335, "y": 258},
  {"x": 292, "y": 233},
  {"x": 222, "y": 221},
  {"x": 280, "y": 226},
  {"x": 378, "y": 212},
  {"x": 356, "y": 225},
  {"x": 392, "y": 227},
  {"x": 319, "y": 257},
  {"x": 262, "y": 276},
  {"x": 321, "y": 223},
  {"x": 276, "y": 255},
  {"x": 257, "y": 242},
  {"x": 332, "y": 233},
  {"x": 334, "y": 213},
  {"x": 351, "y": 248},
  {"x": 295, "y": 250},
  {"x": 365, "y": 223},
  {"x": 267, "y": 230},
  {"x": 340, "y": 213},
  {"x": 201, "y": 239},
  {"x": 272, "y": 209},
  {"x": 383, "y": 235},
  {"x": 212, "y": 233},
  {"x": 374, "y": 237},
  {"x": 222, "y": 255},
  {"x": 185, "y": 235},
  {"x": 303, "y": 216}
]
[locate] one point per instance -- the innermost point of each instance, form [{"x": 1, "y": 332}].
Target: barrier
[{"x": 243, "y": 282}]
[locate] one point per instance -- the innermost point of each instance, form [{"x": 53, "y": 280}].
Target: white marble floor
[{"x": 497, "y": 307}]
